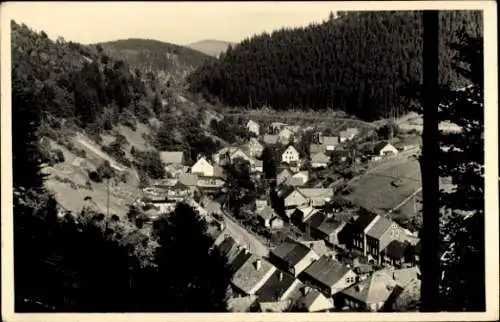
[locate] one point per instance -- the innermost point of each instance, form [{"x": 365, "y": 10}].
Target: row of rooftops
[{"x": 258, "y": 277}]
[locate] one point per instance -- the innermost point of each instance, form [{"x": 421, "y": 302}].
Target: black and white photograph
[{"x": 311, "y": 159}]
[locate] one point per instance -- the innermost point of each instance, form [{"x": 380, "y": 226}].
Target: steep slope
[
  {"x": 360, "y": 62},
  {"x": 211, "y": 47},
  {"x": 171, "y": 62},
  {"x": 100, "y": 115}
]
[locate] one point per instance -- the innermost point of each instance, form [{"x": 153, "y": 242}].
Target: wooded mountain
[
  {"x": 88, "y": 89},
  {"x": 172, "y": 62},
  {"x": 359, "y": 62},
  {"x": 211, "y": 47}
]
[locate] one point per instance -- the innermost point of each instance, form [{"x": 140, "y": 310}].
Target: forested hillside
[
  {"x": 76, "y": 82},
  {"x": 359, "y": 62},
  {"x": 172, "y": 63},
  {"x": 90, "y": 89}
]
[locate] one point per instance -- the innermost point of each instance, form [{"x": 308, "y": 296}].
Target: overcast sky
[{"x": 180, "y": 23}]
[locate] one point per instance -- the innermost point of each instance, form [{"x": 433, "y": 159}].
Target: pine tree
[
  {"x": 462, "y": 159},
  {"x": 188, "y": 269}
]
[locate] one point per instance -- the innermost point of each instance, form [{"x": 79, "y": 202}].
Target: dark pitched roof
[
  {"x": 363, "y": 220},
  {"x": 291, "y": 251},
  {"x": 396, "y": 249},
  {"x": 239, "y": 260},
  {"x": 316, "y": 220},
  {"x": 274, "y": 288},
  {"x": 227, "y": 244},
  {"x": 379, "y": 146},
  {"x": 329, "y": 226},
  {"x": 327, "y": 271}
]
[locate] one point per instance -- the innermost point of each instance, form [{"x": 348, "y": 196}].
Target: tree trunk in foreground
[{"x": 429, "y": 166}]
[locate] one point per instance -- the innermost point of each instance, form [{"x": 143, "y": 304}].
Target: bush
[
  {"x": 59, "y": 155},
  {"x": 104, "y": 171}
]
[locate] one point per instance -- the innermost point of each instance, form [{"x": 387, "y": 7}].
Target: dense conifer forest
[{"x": 359, "y": 62}]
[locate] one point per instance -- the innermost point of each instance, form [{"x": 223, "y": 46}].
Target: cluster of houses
[
  {"x": 347, "y": 261},
  {"x": 299, "y": 277},
  {"x": 207, "y": 175}
]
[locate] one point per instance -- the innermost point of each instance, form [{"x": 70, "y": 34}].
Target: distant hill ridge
[
  {"x": 172, "y": 62},
  {"x": 211, "y": 47}
]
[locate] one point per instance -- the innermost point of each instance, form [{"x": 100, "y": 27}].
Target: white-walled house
[
  {"x": 204, "y": 168},
  {"x": 290, "y": 155},
  {"x": 254, "y": 147},
  {"x": 385, "y": 148},
  {"x": 253, "y": 127},
  {"x": 348, "y": 134}
]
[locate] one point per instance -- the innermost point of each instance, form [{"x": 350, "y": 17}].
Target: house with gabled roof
[
  {"x": 319, "y": 247},
  {"x": 253, "y": 127},
  {"x": 370, "y": 294},
  {"x": 298, "y": 179},
  {"x": 294, "y": 198},
  {"x": 252, "y": 275},
  {"x": 275, "y": 306},
  {"x": 328, "y": 275},
  {"x": 315, "y": 301},
  {"x": 384, "y": 148},
  {"x": 270, "y": 139},
  {"x": 395, "y": 253},
  {"x": 283, "y": 176},
  {"x": 352, "y": 132},
  {"x": 316, "y": 148},
  {"x": 266, "y": 214},
  {"x": 292, "y": 256},
  {"x": 254, "y": 148},
  {"x": 348, "y": 134},
  {"x": 359, "y": 228},
  {"x": 240, "y": 258},
  {"x": 319, "y": 160},
  {"x": 278, "y": 287},
  {"x": 381, "y": 232},
  {"x": 172, "y": 157},
  {"x": 203, "y": 167},
  {"x": 318, "y": 197},
  {"x": 327, "y": 228},
  {"x": 302, "y": 214},
  {"x": 329, "y": 142},
  {"x": 290, "y": 155}
]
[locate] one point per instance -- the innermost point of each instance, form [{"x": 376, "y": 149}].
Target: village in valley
[{"x": 307, "y": 240}]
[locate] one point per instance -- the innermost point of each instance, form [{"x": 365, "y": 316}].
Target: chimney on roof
[
  {"x": 258, "y": 264},
  {"x": 359, "y": 287},
  {"x": 306, "y": 290},
  {"x": 280, "y": 275}
]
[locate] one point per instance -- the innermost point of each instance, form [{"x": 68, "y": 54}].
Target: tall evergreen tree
[
  {"x": 191, "y": 276},
  {"x": 462, "y": 159}
]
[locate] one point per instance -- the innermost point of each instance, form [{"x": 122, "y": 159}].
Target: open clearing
[
  {"x": 68, "y": 181},
  {"x": 386, "y": 187}
]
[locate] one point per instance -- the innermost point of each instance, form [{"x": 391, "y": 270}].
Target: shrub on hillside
[
  {"x": 59, "y": 155},
  {"x": 103, "y": 172}
]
